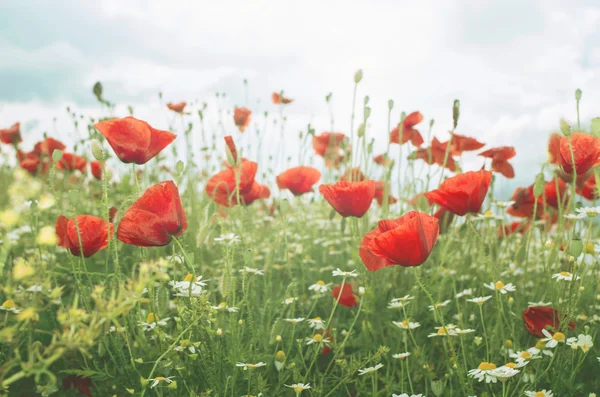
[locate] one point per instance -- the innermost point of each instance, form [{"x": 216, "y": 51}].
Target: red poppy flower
[
  {"x": 89, "y": 233},
  {"x": 406, "y": 241},
  {"x": 380, "y": 194},
  {"x": 553, "y": 195},
  {"x": 11, "y": 135},
  {"x": 241, "y": 118},
  {"x": 408, "y": 132},
  {"x": 133, "y": 140},
  {"x": 353, "y": 175},
  {"x": 71, "y": 162},
  {"x": 177, "y": 107},
  {"x": 588, "y": 189},
  {"x": 326, "y": 348},
  {"x": 48, "y": 146},
  {"x": 298, "y": 180},
  {"x": 32, "y": 165},
  {"x": 435, "y": 154},
  {"x": 420, "y": 199},
  {"x": 383, "y": 159},
  {"x": 524, "y": 202},
  {"x": 500, "y": 157},
  {"x": 280, "y": 99},
  {"x": 586, "y": 152},
  {"x": 537, "y": 318},
  {"x": 345, "y": 295},
  {"x": 328, "y": 143},
  {"x": 514, "y": 227},
  {"x": 223, "y": 187},
  {"x": 231, "y": 146},
  {"x": 154, "y": 218},
  {"x": 80, "y": 383},
  {"x": 462, "y": 193},
  {"x": 96, "y": 168},
  {"x": 349, "y": 198},
  {"x": 257, "y": 192},
  {"x": 462, "y": 143}
]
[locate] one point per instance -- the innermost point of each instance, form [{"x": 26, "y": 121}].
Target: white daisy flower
[
  {"x": 406, "y": 395},
  {"x": 574, "y": 216},
  {"x": 253, "y": 271},
  {"x": 501, "y": 287},
  {"x": 543, "y": 393},
  {"x": 525, "y": 356},
  {"x": 504, "y": 204},
  {"x": 289, "y": 301},
  {"x": 484, "y": 372},
  {"x": 339, "y": 272},
  {"x": 465, "y": 292},
  {"x": 504, "y": 372},
  {"x": 228, "y": 238},
  {"x": 299, "y": 387},
  {"x": 152, "y": 322},
  {"x": 551, "y": 341},
  {"x": 317, "y": 338},
  {"x": 463, "y": 331},
  {"x": 405, "y": 324},
  {"x": 223, "y": 306},
  {"x": 159, "y": 379},
  {"x": 401, "y": 356},
  {"x": 368, "y": 370},
  {"x": 246, "y": 365},
  {"x": 316, "y": 323},
  {"x": 294, "y": 320},
  {"x": 319, "y": 287},
  {"x": 450, "y": 330},
  {"x": 584, "y": 342},
  {"x": 540, "y": 303},
  {"x": 396, "y": 304},
  {"x": 187, "y": 287},
  {"x": 565, "y": 276},
  {"x": 588, "y": 211},
  {"x": 10, "y": 306},
  {"x": 480, "y": 300},
  {"x": 438, "y": 305}
]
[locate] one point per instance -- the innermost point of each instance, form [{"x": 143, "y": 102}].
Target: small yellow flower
[
  {"x": 485, "y": 366},
  {"x": 47, "y": 236},
  {"x": 8, "y": 218}
]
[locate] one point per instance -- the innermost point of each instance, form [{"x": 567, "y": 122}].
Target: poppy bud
[
  {"x": 367, "y": 112},
  {"x": 97, "y": 90},
  {"x": 575, "y": 248},
  {"x": 456, "y": 112},
  {"x": 172, "y": 385},
  {"x": 57, "y": 155},
  {"x": 437, "y": 386},
  {"x": 565, "y": 128},
  {"x": 361, "y": 131},
  {"x": 578, "y": 95},
  {"x": 390, "y": 104},
  {"x": 431, "y": 123},
  {"x": 179, "y": 166},
  {"x": 595, "y": 126},
  {"x": 328, "y": 97},
  {"x": 538, "y": 187},
  {"x": 144, "y": 382},
  {"x": 366, "y": 100},
  {"x": 97, "y": 151},
  {"x": 358, "y": 76}
]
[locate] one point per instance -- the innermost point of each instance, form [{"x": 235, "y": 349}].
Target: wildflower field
[{"x": 130, "y": 265}]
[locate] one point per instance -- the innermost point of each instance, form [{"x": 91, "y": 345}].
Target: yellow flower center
[
  {"x": 589, "y": 248},
  {"x": 565, "y": 274},
  {"x": 222, "y": 304},
  {"x": 540, "y": 394},
  {"x": 485, "y": 366},
  {"x": 151, "y": 319},
  {"x": 317, "y": 319},
  {"x": 321, "y": 283},
  {"x": 298, "y": 389},
  {"x": 160, "y": 378},
  {"x": 489, "y": 213},
  {"x": 188, "y": 278},
  {"x": 9, "y": 304},
  {"x": 559, "y": 336},
  {"x": 510, "y": 365},
  {"x": 404, "y": 323},
  {"x": 441, "y": 331},
  {"x": 499, "y": 285},
  {"x": 318, "y": 337},
  {"x": 525, "y": 355}
]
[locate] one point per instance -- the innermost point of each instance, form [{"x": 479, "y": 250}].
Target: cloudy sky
[{"x": 514, "y": 65}]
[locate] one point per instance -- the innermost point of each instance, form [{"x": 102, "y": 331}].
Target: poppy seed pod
[
  {"x": 578, "y": 94},
  {"x": 565, "y": 128},
  {"x": 358, "y": 76},
  {"x": 57, "y": 155},
  {"x": 97, "y": 151}
]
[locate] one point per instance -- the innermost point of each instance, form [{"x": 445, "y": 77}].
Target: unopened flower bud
[
  {"x": 97, "y": 151},
  {"x": 219, "y": 332},
  {"x": 361, "y": 290},
  {"x": 278, "y": 338},
  {"x": 390, "y": 104},
  {"x": 358, "y": 76},
  {"x": 575, "y": 248},
  {"x": 538, "y": 186},
  {"x": 57, "y": 155},
  {"x": 437, "y": 386},
  {"x": 578, "y": 94},
  {"x": 456, "y": 112},
  {"x": 565, "y": 128}
]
